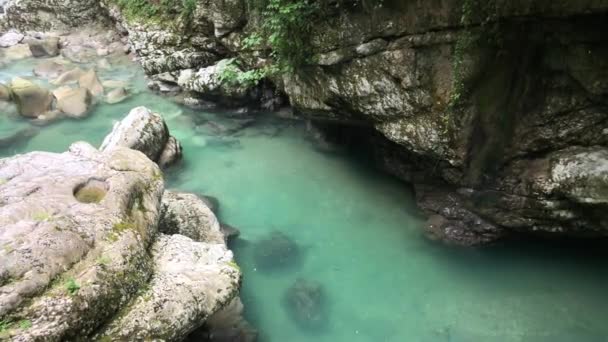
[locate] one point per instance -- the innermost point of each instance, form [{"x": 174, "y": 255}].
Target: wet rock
[
  {"x": 49, "y": 69},
  {"x": 141, "y": 130},
  {"x": 31, "y": 99},
  {"x": 68, "y": 77},
  {"x": 171, "y": 154},
  {"x": 276, "y": 252},
  {"x": 10, "y": 38},
  {"x": 116, "y": 95},
  {"x": 90, "y": 81},
  {"x": 16, "y": 52},
  {"x": 104, "y": 64},
  {"x": 305, "y": 303},
  {"x": 74, "y": 102},
  {"x": 45, "y": 47},
  {"x": 186, "y": 214}
]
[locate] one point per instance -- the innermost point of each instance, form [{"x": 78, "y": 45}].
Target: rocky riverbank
[{"x": 94, "y": 247}]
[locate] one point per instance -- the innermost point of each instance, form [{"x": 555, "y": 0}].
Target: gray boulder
[
  {"x": 188, "y": 215},
  {"x": 141, "y": 130}
]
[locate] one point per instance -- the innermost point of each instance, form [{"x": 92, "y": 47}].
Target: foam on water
[{"x": 356, "y": 236}]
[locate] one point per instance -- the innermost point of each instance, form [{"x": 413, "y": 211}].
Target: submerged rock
[
  {"x": 276, "y": 252},
  {"x": 31, "y": 99},
  {"x": 74, "y": 102},
  {"x": 71, "y": 76},
  {"x": 90, "y": 81},
  {"x": 49, "y": 69},
  {"x": 20, "y": 136},
  {"x": 305, "y": 303},
  {"x": 116, "y": 95}
]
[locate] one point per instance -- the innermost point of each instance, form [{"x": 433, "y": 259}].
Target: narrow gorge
[{"x": 303, "y": 170}]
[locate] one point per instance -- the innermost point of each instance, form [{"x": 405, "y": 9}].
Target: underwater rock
[
  {"x": 74, "y": 102},
  {"x": 276, "y": 251},
  {"x": 31, "y": 99},
  {"x": 305, "y": 303},
  {"x": 114, "y": 84},
  {"x": 44, "y": 47},
  {"x": 70, "y": 76},
  {"x": 186, "y": 214},
  {"x": 10, "y": 38},
  {"x": 140, "y": 130},
  {"x": 49, "y": 69},
  {"x": 90, "y": 81},
  {"x": 18, "y": 137},
  {"x": 116, "y": 95}
]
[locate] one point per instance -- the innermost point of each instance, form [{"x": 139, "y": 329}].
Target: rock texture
[
  {"x": 144, "y": 131},
  {"x": 82, "y": 256}
]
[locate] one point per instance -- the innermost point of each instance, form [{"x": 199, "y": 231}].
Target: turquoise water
[{"x": 355, "y": 234}]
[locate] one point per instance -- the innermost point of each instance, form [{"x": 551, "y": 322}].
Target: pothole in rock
[{"x": 93, "y": 191}]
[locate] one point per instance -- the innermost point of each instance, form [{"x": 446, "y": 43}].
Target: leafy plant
[
  {"x": 4, "y": 325},
  {"x": 72, "y": 286}
]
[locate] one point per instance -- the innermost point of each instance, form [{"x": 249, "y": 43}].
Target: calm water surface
[{"x": 355, "y": 235}]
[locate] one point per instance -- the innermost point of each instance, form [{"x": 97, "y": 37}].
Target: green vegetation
[
  {"x": 42, "y": 216},
  {"x": 72, "y": 286},
  {"x": 103, "y": 260},
  {"x": 156, "y": 11},
  {"x": 25, "y": 324},
  {"x": 234, "y": 265},
  {"x": 4, "y": 325},
  {"x": 231, "y": 74}
]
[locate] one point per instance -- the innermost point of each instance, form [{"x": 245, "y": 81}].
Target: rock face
[
  {"x": 144, "y": 131},
  {"x": 83, "y": 258},
  {"x": 45, "y": 47}
]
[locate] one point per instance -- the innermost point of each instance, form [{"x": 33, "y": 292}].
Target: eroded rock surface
[{"x": 82, "y": 256}]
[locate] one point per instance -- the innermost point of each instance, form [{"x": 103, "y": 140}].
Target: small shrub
[{"x": 72, "y": 286}]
